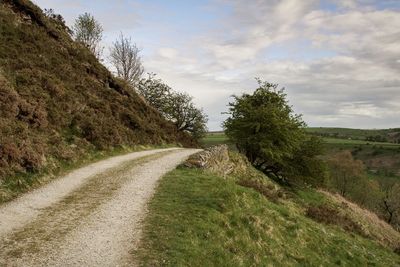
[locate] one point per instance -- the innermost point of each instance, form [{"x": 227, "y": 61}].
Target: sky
[{"x": 338, "y": 60}]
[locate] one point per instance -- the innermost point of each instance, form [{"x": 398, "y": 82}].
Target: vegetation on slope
[
  {"x": 374, "y": 186},
  {"x": 58, "y": 103},
  {"x": 200, "y": 219}
]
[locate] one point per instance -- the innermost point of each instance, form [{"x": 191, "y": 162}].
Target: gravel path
[{"x": 91, "y": 217}]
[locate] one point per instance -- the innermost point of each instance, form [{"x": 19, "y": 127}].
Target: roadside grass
[
  {"x": 13, "y": 186},
  {"x": 199, "y": 219}
]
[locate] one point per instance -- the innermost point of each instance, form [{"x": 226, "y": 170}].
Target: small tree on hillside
[
  {"x": 124, "y": 56},
  {"x": 181, "y": 110},
  {"x": 390, "y": 199},
  {"x": 265, "y": 129},
  {"x": 367, "y": 193},
  {"x": 345, "y": 172},
  {"x": 155, "y": 91},
  {"x": 88, "y": 31},
  {"x": 175, "y": 107}
]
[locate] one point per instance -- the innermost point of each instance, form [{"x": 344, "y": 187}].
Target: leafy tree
[
  {"x": 264, "y": 128},
  {"x": 305, "y": 165},
  {"x": 390, "y": 199},
  {"x": 181, "y": 110},
  {"x": 174, "y": 106},
  {"x": 367, "y": 193},
  {"x": 345, "y": 172},
  {"x": 124, "y": 56},
  {"x": 155, "y": 91},
  {"x": 88, "y": 31}
]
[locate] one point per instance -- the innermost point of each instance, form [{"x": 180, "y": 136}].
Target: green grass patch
[
  {"x": 359, "y": 142},
  {"x": 360, "y": 134},
  {"x": 311, "y": 197},
  {"x": 213, "y": 139},
  {"x": 198, "y": 219}
]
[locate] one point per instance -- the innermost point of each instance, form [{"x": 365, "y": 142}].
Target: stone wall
[{"x": 215, "y": 159}]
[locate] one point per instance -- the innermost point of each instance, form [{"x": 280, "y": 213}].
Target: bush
[
  {"x": 268, "y": 191},
  {"x": 273, "y": 138},
  {"x": 328, "y": 215}
]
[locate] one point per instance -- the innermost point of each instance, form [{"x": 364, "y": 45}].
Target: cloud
[{"x": 338, "y": 59}]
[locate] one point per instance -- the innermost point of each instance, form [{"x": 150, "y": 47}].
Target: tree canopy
[
  {"x": 345, "y": 172},
  {"x": 264, "y": 128},
  {"x": 174, "y": 106},
  {"x": 124, "y": 56},
  {"x": 88, "y": 31}
]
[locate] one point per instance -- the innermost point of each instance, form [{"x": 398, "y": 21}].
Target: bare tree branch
[{"x": 124, "y": 56}]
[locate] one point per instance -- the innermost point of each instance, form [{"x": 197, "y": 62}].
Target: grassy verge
[
  {"x": 13, "y": 186},
  {"x": 198, "y": 219}
]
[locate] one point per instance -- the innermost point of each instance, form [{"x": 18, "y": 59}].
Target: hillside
[
  {"x": 58, "y": 103},
  {"x": 228, "y": 214},
  {"x": 379, "y": 135}
]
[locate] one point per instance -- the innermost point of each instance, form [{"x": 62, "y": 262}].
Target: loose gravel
[{"x": 91, "y": 217}]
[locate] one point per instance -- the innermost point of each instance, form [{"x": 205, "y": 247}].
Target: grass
[
  {"x": 199, "y": 219},
  {"x": 341, "y": 141},
  {"x": 213, "y": 139},
  {"x": 360, "y": 134}
]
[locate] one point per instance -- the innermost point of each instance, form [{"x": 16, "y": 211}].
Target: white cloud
[
  {"x": 340, "y": 64},
  {"x": 168, "y": 53}
]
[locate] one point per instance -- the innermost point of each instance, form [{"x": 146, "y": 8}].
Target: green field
[
  {"x": 214, "y": 138},
  {"x": 355, "y": 142},
  {"x": 391, "y": 135}
]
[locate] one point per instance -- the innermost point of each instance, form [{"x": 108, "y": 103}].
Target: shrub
[
  {"x": 328, "y": 215},
  {"x": 273, "y": 138},
  {"x": 268, "y": 191}
]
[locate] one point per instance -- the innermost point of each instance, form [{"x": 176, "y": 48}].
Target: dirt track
[{"x": 91, "y": 217}]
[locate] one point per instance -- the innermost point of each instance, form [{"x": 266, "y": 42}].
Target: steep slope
[
  {"x": 57, "y": 102},
  {"x": 204, "y": 215}
]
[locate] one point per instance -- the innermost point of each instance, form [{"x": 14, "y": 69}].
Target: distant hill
[
  {"x": 376, "y": 135},
  {"x": 58, "y": 103}
]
